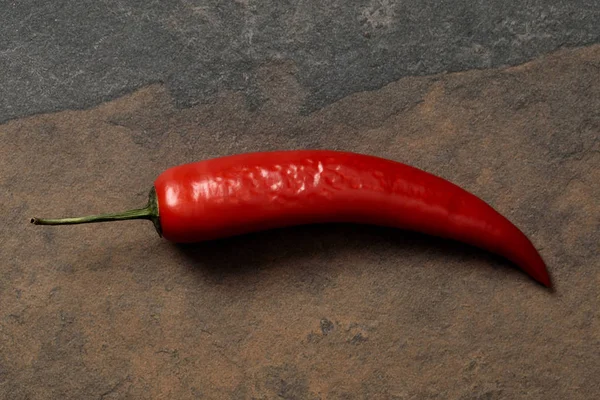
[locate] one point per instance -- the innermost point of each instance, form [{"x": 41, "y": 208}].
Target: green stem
[
  {"x": 141, "y": 213},
  {"x": 150, "y": 212}
]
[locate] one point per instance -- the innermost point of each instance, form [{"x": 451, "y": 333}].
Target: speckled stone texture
[
  {"x": 72, "y": 54},
  {"x": 111, "y": 311}
]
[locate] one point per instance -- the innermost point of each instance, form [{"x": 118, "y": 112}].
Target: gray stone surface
[{"x": 61, "y": 54}]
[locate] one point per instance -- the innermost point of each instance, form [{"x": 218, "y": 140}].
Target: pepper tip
[
  {"x": 544, "y": 279},
  {"x": 549, "y": 285}
]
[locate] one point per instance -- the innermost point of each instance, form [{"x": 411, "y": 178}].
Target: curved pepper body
[{"x": 245, "y": 193}]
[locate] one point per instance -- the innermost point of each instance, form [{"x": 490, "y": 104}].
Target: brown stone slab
[{"x": 111, "y": 311}]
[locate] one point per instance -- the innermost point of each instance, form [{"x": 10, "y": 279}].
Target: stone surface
[
  {"x": 111, "y": 311},
  {"x": 67, "y": 54}
]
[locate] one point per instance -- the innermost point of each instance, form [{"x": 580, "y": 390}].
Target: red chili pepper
[{"x": 244, "y": 193}]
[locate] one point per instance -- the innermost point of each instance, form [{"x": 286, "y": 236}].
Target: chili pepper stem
[
  {"x": 141, "y": 213},
  {"x": 150, "y": 212}
]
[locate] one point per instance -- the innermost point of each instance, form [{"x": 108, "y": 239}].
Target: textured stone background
[
  {"x": 111, "y": 311},
  {"x": 72, "y": 54}
]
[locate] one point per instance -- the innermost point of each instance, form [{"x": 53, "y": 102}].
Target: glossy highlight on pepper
[{"x": 250, "y": 192}]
